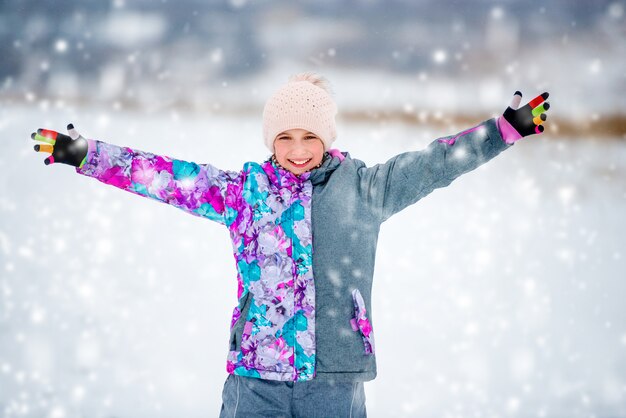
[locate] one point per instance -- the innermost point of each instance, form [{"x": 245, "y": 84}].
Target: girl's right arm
[{"x": 199, "y": 189}]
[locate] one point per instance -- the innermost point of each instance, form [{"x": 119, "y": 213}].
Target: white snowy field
[{"x": 501, "y": 295}]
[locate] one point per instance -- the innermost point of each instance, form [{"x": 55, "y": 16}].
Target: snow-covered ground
[{"x": 501, "y": 295}]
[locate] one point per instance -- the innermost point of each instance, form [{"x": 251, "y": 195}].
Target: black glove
[
  {"x": 528, "y": 119},
  {"x": 65, "y": 149}
]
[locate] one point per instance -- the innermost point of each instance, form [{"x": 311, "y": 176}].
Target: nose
[{"x": 299, "y": 148}]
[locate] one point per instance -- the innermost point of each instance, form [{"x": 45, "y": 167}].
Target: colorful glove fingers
[
  {"x": 516, "y": 123},
  {"x": 65, "y": 149}
]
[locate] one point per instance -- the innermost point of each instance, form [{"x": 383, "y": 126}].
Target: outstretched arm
[
  {"x": 199, "y": 189},
  {"x": 406, "y": 178}
]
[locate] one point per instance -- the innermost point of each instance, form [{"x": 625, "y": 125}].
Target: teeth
[{"x": 300, "y": 162}]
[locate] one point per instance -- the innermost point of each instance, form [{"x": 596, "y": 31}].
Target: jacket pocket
[
  {"x": 361, "y": 323},
  {"x": 237, "y": 328}
]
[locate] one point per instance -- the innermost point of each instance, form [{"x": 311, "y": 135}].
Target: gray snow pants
[{"x": 253, "y": 397}]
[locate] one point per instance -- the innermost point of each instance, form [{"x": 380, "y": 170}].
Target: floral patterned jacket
[{"x": 304, "y": 245}]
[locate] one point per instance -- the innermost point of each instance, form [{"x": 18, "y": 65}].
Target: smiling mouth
[{"x": 300, "y": 163}]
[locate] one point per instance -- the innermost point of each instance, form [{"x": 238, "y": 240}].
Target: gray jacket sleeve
[{"x": 404, "y": 179}]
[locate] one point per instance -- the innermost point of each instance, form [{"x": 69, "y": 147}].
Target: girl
[{"x": 304, "y": 226}]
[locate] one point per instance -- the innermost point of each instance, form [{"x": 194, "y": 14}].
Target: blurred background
[{"x": 501, "y": 295}]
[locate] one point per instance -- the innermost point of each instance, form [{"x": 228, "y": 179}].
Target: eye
[
  {"x": 310, "y": 137},
  {"x": 284, "y": 137}
]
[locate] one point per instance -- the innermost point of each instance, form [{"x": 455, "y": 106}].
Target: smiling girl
[
  {"x": 298, "y": 151},
  {"x": 304, "y": 226}
]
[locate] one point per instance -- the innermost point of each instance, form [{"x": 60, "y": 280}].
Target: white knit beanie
[{"x": 303, "y": 103}]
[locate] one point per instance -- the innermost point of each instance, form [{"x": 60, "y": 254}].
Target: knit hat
[{"x": 303, "y": 103}]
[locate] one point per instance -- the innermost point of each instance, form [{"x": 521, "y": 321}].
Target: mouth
[{"x": 300, "y": 163}]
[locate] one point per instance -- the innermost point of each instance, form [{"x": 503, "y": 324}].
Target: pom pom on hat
[
  {"x": 312, "y": 78},
  {"x": 305, "y": 102}
]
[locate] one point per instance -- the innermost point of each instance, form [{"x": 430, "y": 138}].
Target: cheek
[
  {"x": 317, "y": 151},
  {"x": 281, "y": 151}
]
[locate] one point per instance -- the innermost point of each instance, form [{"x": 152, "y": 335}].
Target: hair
[{"x": 313, "y": 78}]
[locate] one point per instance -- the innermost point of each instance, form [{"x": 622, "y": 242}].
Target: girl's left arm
[{"x": 406, "y": 178}]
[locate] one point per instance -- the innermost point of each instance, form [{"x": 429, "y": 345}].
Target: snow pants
[{"x": 252, "y": 397}]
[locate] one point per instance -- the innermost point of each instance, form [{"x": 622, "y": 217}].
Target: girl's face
[{"x": 298, "y": 150}]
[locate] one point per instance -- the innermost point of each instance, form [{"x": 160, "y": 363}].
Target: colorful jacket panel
[{"x": 268, "y": 213}]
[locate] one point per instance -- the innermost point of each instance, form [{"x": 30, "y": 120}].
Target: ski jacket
[{"x": 304, "y": 245}]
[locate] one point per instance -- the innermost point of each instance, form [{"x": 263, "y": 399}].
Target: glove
[
  {"x": 516, "y": 123},
  {"x": 65, "y": 149}
]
